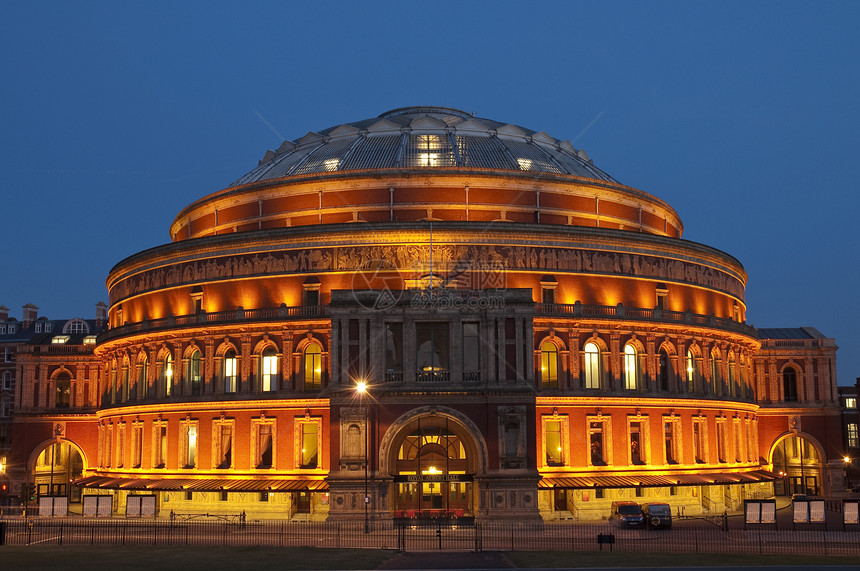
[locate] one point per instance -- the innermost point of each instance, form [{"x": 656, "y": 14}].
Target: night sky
[{"x": 742, "y": 116}]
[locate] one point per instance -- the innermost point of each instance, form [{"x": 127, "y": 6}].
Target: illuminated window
[
  {"x": 310, "y": 445},
  {"x": 692, "y": 369},
  {"x": 853, "y": 435},
  {"x": 188, "y": 444},
  {"x": 549, "y": 364},
  {"x": 90, "y": 340},
  {"x": 524, "y": 164},
  {"x": 850, "y": 402},
  {"x": 60, "y": 339},
  {"x": 430, "y": 151},
  {"x": 631, "y": 367},
  {"x": 637, "y": 442},
  {"x": 167, "y": 374},
  {"x": 194, "y": 373},
  {"x": 553, "y": 443},
  {"x": 789, "y": 385},
  {"x": 269, "y": 370},
  {"x": 331, "y": 164},
  {"x": 230, "y": 376},
  {"x": 591, "y": 366},
  {"x": 313, "y": 367}
]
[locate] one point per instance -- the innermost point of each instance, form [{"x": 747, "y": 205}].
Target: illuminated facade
[{"x": 537, "y": 340}]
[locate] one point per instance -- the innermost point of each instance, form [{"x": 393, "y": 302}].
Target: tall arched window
[
  {"x": 731, "y": 375},
  {"x": 591, "y": 365},
  {"x": 716, "y": 373},
  {"x": 194, "y": 372},
  {"x": 269, "y": 370},
  {"x": 167, "y": 374},
  {"x": 125, "y": 381},
  {"x": 664, "y": 370},
  {"x": 313, "y": 367},
  {"x": 64, "y": 390},
  {"x": 789, "y": 385},
  {"x": 692, "y": 371},
  {"x": 631, "y": 367},
  {"x": 549, "y": 364},
  {"x": 142, "y": 378},
  {"x": 230, "y": 376}
]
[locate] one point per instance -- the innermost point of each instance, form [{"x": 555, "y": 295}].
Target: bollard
[{"x": 2, "y": 533}]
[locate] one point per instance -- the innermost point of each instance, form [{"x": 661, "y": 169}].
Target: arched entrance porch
[
  {"x": 433, "y": 458},
  {"x": 798, "y": 461},
  {"x": 53, "y": 466}
]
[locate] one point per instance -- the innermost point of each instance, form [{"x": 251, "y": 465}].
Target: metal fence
[{"x": 428, "y": 536}]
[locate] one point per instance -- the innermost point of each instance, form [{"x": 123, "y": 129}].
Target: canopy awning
[
  {"x": 202, "y": 484},
  {"x": 647, "y": 480}
]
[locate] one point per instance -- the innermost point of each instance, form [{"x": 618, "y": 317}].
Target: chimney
[
  {"x": 101, "y": 314},
  {"x": 4, "y": 313},
  {"x": 31, "y": 312}
]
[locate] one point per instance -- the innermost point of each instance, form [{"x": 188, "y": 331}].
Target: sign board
[
  {"x": 147, "y": 506},
  {"x": 816, "y": 511},
  {"x": 768, "y": 511},
  {"x": 752, "y": 512},
  {"x": 850, "y": 511},
  {"x": 140, "y": 506},
  {"x": 433, "y": 478},
  {"x": 97, "y": 506},
  {"x": 800, "y": 511},
  {"x": 759, "y": 511}
]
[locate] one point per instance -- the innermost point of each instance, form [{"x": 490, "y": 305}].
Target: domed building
[{"x": 429, "y": 313}]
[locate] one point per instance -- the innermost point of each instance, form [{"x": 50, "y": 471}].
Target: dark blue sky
[{"x": 743, "y": 116}]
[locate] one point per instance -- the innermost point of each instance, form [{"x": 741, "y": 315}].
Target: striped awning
[
  {"x": 647, "y": 480},
  {"x": 202, "y": 484}
]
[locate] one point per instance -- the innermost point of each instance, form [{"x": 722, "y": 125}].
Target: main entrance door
[{"x": 432, "y": 476}]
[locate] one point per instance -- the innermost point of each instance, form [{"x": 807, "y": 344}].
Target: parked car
[
  {"x": 657, "y": 515},
  {"x": 626, "y": 514}
]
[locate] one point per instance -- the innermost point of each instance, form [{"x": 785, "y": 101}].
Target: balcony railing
[
  {"x": 643, "y": 314},
  {"x": 217, "y": 318}
]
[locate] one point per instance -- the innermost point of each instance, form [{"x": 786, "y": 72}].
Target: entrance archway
[
  {"x": 797, "y": 460},
  {"x": 433, "y": 458},
  {"x": 54, "y": 469}
]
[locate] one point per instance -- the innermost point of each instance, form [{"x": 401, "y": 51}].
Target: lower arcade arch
[
  {"x": 54, "y": 466},
  {"x": 797, "y": 461},
  {"x": 433, "y": 459}
]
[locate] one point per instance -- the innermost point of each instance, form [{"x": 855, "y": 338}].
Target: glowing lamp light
[
  {"x": 361, "y": 387},
  {"x": 847, "y": 459},
  {"x": 428, "y": 159}
]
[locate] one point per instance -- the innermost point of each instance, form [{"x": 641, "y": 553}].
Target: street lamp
[{"x": 361, "y": 390}]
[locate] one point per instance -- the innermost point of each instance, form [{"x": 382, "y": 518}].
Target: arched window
[
  {"x": 194, "y": 373},
  {"x": 142, "y": 378},
  {"x": 167, "y": 374},
  {"x": 664, "y": 370},
  {"x": 313, "y": 367},
  {"x": 789, "y": 385},
  {"x": 731, "y": 374},
  {"x": 230, "y": 376},
  {"x": 692, "y": 371},
  {"x": 269, "y": 370},
  {"x": 64, "y": 390},
  {"x": 716, "y": 373},
  {"x": 591, "y": 366},
  {"x": 631, "y": 367},
  {"x": 125, "y": 381},
  {"x": 549, "y": 364}
]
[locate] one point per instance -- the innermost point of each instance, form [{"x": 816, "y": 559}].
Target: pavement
[{"x": 448, "y": 560}]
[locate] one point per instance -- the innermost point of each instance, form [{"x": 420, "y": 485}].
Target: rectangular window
[
  {"x": 230, "y": 373},
  {"x": 547, "y": 294},
  {"x": 264, "y": 446},
  {"x": 264, "y": 496},
  {"x": 670, "y": 436},
  {"x": 38, "y": 327},
  {"x": 393, "y": 352},
  {"x": 310, "y": 445},
  {"x": 189, "y": 445},
  {"x": 137, "y": 445},
  {"x": 432, "y": 348},
  {"x": 120, "y": 445},
  {"x": 159, "y": 446},
  {"x": 7, "y": 381},
  {"x": 637, "y": 454},
  {"x": 850, "y": 402},
  {"x": 471, "y": 353},
  {"x": 853, "y": 435},
  {"x": 553, "y": 443},
  {"x": 597, "y": 431},
  {"x": 224, "y": 495},
  {"x": 223, "y": 441},
  {"x": 721, "y": 440},
  {"x": 736, "y": 427},
  {"x": 270, "y": 372},
  {"x": 108, "y": 445},
  {"x": 699, "y": 441}
]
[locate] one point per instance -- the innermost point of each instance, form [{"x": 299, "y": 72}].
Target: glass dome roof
[{"x": 420, "y": 138}]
